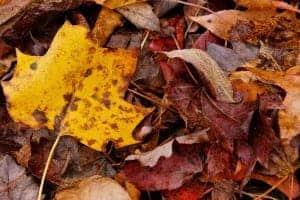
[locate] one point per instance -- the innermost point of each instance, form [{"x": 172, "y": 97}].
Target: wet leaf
[
  {"x": 218, "y": 81},
  {"x": 91, "y": 108},
  {"x": 93, "y": 188},
  {"x": 141, "y": 15},
  {"x": 14, "y": 183}
]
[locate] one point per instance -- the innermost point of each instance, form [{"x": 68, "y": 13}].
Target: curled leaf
[
  {"x": 219, "y": 82},
  {"x": 150, "y": 158}
]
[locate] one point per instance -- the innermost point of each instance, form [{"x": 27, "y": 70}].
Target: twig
[
  {"x": 271, "y": 189},
  {"x": 47, "y": 165},
  {"x": 145, "y": 39},
  {"x": 192, "y": 4}
]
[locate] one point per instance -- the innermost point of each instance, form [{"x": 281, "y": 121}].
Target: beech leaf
[
  {"x": 141, "y": 15},
  {"x": 77, "y": 86},
  {"x": 112, "y": 4},
  {"x": 206, "y": 66}
]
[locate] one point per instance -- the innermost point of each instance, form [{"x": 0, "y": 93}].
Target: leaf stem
[{"x": 50, "y": 156}]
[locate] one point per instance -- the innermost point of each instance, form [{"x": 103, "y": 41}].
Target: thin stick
[
  {"x": 192, "y": 4},
  {"x": 144, "y": 40},
  {"x": 48, "y": 165},
  {"x": 271, "y": 189}
]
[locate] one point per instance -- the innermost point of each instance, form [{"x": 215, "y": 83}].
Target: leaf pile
[{"x": 157, "y": 99}]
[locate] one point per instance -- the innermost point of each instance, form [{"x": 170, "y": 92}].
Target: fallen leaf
[
  {"x": 112, "y": 4},
  {"x": 150, "y": 158},
  {"x": 289, "y": 115},
  {"x": 161, "y": 7},
  {"x": 107, "y": 21},
  {"x": 168, "y": 173},
  {"x": 14, "y": 183},
  {"x": 227, "y": 59},
  {"x": 18, "y": 17},
  {"x": 204, "y": 39},
  {"x": 92, "y": 109},
  {"x": 192, "y": 191},
  {"x": 141, "y": 15},
  {"x": 219, "y": 84},
  {"x": 93, "y": 188}
]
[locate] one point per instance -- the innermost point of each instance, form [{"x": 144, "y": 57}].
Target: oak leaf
[{"x": 77, "y": 89}]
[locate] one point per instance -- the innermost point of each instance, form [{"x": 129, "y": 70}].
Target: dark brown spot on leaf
[
  {"x": 33, "y": 66},
  {"x": 40, "y": 116}
]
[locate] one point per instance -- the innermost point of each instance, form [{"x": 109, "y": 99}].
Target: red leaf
[{"x": 168, "y": 173}]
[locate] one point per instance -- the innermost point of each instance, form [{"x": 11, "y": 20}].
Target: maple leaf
[{"x": 78, "y": 83}]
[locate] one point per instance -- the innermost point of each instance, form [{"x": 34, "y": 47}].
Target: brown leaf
[
  {"x": 141, "y": 15},
  {"x": 107, "y": 21},
  {"x": 93, "y": 188},
  {"x": 14, "y": 183},
  {"x": 289, "y": 115}
]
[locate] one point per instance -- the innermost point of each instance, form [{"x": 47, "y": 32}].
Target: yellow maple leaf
[{"x": 77, "y": 88}]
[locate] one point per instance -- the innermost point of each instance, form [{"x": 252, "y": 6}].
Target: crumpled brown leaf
[
  {"x": 94, "y": 188},
  {"x": 14, "y": 183}
]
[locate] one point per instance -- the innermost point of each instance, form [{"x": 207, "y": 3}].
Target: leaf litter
[{"x": 160, "y": 99}]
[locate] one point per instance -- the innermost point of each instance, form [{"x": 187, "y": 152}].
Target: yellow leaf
[
  {"x": 289, "y": 116},
  {"x": 76, "y": 88},
  {"x": 112, "y": 4},
  {"x": 106, "y": 23}
]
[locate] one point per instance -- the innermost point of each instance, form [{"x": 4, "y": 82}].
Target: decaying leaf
[
  {"x": 161, "y": 7},
  {"x": 14, "y": 183},
  {"x": 289, "y": 116},
  {"x": 141, "y": 15},
  {"x": 112, "y": 4},
  {"x": 79, "y": 83},
  {"x": 150, "y": 158},
  {"x": 94, "y": 188},
  {"x": 219, "y": 83},
  {"x": 106, "y": 23}
]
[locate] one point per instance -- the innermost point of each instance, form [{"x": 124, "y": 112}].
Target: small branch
[
  {"x": 271, "y": 189},
  {"x": 50, "y": 156}
]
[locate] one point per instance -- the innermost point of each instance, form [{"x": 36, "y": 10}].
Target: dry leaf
[
  {"x": 80, "y": 83},
  {"x": 289, "y": 116},
  {"x": 106, "y": 23},
  {"x": 150, "y": 158},
  {"x": 141, "y": 15},
  {"x": 14, "y": 183},
  {"x": 112, "y": 4},
  {"x": 219, "y": 82},
  {"x": 238, "y": 25},
  {"x": 161, "y": 7},
  {"x": 94, "y": 188}
]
